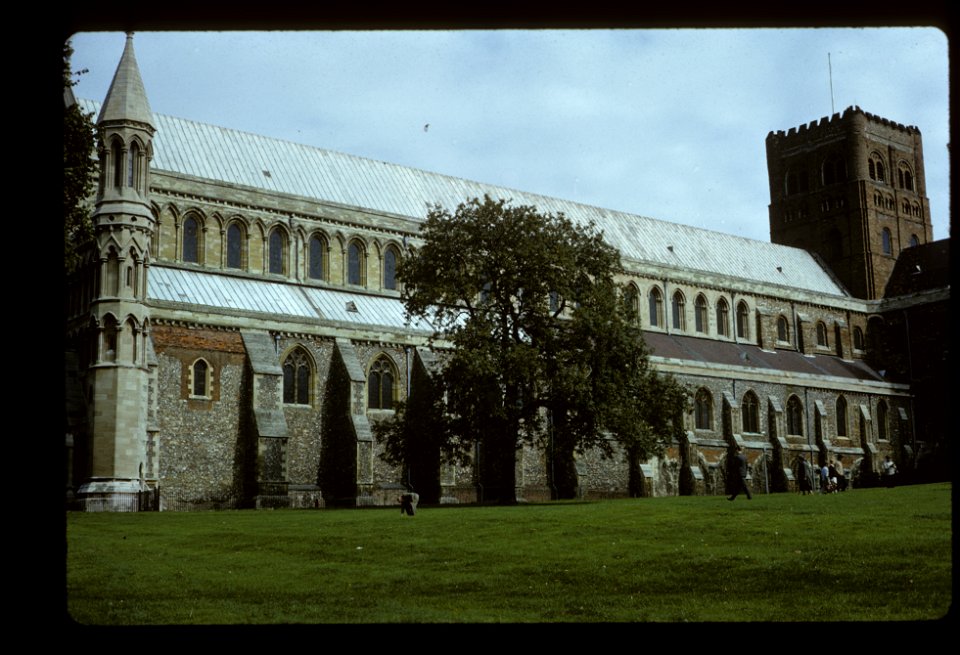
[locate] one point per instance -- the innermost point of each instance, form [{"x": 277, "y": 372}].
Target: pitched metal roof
[
  {"x": 234, "y": 157},
  {"x": 223, "y": 292}
]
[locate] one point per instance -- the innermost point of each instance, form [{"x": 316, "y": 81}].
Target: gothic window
[
  {"x": 297, "y": 376},
  {"x": 882, "y": 420},
  {"x": 794, "y": 416},
  {"x": 704, "y": 410},
  {"x": 390, "y": 268},
  {"x": 109, "y": 339},
  {"x": 905, "y": 176},
  {"x": 200, "y": 376},
  {"x": 317, "y": 248},
  {"x": 822, "y": 335},
  {"x": 700, "y": 318},
  {"x": 133, "y": 167},
  {"x": 380, "y": 384},
  {"x": 723, "y": 318},
  {"x": 743, "y": 325},
  {"x": 356, "y": 273},
  {"x": 914, "y": 241},
  {"x": 632, "y": 295},
  {"x": 278, "y": 250},
  {"x": 887, "y": 239},
  {"x": 783, "y": 330},
  {"x": 191, "y": 240},
  {"x": 750, "y": 411},
  {"x": 679, "y": 312},
  {"x": 841, "y": 416},
  {"x": 234, "y": 246},
  {"x": 116, "y": 152},
  {"x": 656, "y": 307}
]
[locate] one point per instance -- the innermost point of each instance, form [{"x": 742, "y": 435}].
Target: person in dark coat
[
  {"x": 740, "y": 477},
  {"x": 803, "y": 477}
]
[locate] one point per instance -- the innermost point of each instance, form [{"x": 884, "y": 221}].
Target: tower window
[
  {"x": 876, "y": 169},
  {"x": 834, "y": 171},
  {"x": 905, "y": 176},
  {"x": 887, "y": 239}
]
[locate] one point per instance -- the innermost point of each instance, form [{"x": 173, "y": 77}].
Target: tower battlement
[{"x": 838, "y": 120}]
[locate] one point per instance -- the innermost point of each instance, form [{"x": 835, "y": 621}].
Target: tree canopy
[
  {"x": 544, "y": 347},
  {"x": 79, "y": 171}
]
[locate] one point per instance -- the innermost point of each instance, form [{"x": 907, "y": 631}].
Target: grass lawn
[{"x": 867, "y": 554}]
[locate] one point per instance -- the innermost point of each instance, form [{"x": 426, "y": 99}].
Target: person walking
[
  {"x": 803, "y": 477},
  {"x": 740, "y": 477},
  {"x": 889, "y": 472}
]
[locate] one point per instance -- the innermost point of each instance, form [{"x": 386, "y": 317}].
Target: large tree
[
  {"x": 79, "y": 170},
  {"x": 543, "y": 346}
]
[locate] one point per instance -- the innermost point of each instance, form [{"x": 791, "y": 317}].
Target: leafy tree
[
  {"x": 79, "y": 171},
  {"x": 543, "y": 348}
]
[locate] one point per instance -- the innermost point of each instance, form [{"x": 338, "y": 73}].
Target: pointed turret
[{"x": 122, "y": 459}]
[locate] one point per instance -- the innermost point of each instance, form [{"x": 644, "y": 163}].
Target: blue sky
[{"x": 663, "y": 123}]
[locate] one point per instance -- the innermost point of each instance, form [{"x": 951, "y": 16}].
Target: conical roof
[{"x": 127, "y": 98}]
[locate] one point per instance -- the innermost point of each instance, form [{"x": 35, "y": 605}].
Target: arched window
[
  {"x": 723, "y": 318},
  {"x": 858, "y": 343},
  {"x": 704, "y": 410},
  {"x": 783, "y": 330},
  {"x": 796, "y": 182},
  {"x": 914, "y": 241},
  {"x": 116, "y": 154},
  {"x": 278, "y": 251},
  {"x": 234, "y": 246},
  {"x": 700, "y": 311},
  {"x": 794, "y": 416},
  {"x": 882, "y": 420},
  {"x": 876, "y": 169},
  {"x": 133, "y": 167},
  {"x": 750, "y": 412},
  {"x": 200, "y": 374},
  {"x": 356, "y": 264},
  {"x": 841, "y": 416},
  {"x": 191, "y": 240},
  {"x": 834, "y": 170},
  {"x": 632, "y": 297},
  {"x": 297, "y": 377},
  {"x": 380, "y": 384},
  {"x": 822, "y": 335},
  {"x": 905, "y": 176},
  {"x": 887, "y": 239},
  {"x": 679, "y": 312},
  {"x": 317, "y": 249},
  {"x": 656, "y": 307},
  {"x": 743, "y": 324},
  {"x": 390, "y": 268}
]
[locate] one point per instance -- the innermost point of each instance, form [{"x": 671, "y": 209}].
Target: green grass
[{"x": 867, "y": 554}]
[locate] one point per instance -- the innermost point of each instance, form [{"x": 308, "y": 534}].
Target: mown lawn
[{"x": 867, "y": 554}]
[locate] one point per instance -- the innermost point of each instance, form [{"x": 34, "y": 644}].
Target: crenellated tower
[
  {"x": 120, "y": 462},
  {"x": 850, "y": 188}
]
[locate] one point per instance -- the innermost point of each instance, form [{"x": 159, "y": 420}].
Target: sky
[{"x": 665, "y": 123}]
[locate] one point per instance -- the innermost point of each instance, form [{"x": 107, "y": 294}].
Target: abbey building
[{"x": 237, "y": 326}]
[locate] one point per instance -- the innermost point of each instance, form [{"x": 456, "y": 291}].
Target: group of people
[{"x": 832, "y": 477}]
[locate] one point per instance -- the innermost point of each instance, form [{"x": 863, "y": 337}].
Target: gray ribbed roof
[
  {"x": 228, "y": 292},
  {"x": 235, "y": 157},
  {"x": 127, "y": 99}
]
